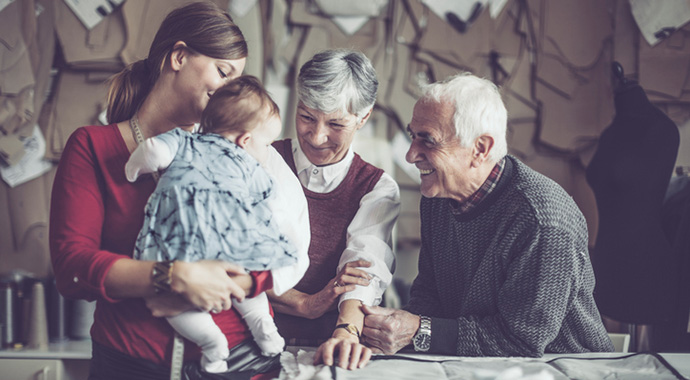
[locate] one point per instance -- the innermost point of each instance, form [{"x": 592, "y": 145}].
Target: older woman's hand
[
  {"x": 209, "y": 284},
  {"x": 326, "y": 299},
  {"x": 350, "y": 274},
  {"x": 351, "y": 353}
]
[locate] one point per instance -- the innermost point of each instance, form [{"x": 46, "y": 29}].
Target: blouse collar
[{"x": 329, "y": 172}]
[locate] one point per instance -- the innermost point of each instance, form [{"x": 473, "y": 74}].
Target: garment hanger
[
  {"x": 682, "y": 170},
  {"x": 460, "y": 25},
  {"x": 620, "y": 82}
]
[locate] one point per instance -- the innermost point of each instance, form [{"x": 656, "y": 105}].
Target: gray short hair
[
  {"x": 479, "y": 110},
  {"x": 338, "y": 80}
]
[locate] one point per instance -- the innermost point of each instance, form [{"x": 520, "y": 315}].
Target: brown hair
[
  {"x": 240, "y": 105},
  {"x": 202, "y": 26}
]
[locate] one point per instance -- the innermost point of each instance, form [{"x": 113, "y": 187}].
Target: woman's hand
[
  {"x": 315, "y": 305},
  {"x": 208, "y": 284},
  {"x": 351, "y": 353},
  {"x": 350, "y": 274}
]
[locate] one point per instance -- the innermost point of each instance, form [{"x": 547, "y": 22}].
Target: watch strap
[
  {"x": 161, "y": 276},
  {"x": 422, "y": 339},
  {"x": 424, "y": 324},
  {"x": 352, "y": 329}
]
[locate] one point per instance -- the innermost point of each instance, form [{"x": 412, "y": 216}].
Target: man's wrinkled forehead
[{"x": 432, "y": 114}]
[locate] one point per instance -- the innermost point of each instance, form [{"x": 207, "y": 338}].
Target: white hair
[
  {"x": 479, "y": 110},
  {"x": 338, "y": 80}
]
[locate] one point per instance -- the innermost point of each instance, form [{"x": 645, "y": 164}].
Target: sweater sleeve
[
  {"x": 76, "y": 222},
  {"x": 540, "y": 282},
  {"x": 424, "y": 301},
  {"x": 423, "y": 293}
]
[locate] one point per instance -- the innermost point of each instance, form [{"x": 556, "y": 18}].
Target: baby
[{"x": 211, "y": 202}]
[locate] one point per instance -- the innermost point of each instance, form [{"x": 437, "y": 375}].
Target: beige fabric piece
[
  {"x": 42, "y": 49},
  {"x": 142, "y": 18},
  {"x": 24, "y": 227},
  {"x": 16, "y": 111},
  {"x": 626, "y": 37},
  {"x": 519, "y": 100},
  {"x": 11, "y": 149},
  {"x": 576, "y": 30},
  {"x": 468, "y": 50},
  {"x": 520, "y": 141},
  {"x": 98, "y": 48},
  {"x": 78, "y": 103},
  {"x": 27, "y": 209},
  {"x": 251, "y": 27},
  {"x": 665, "y": 68},
  {"x": 566, "y": 122},
  {"x": 15, "y": 64},
  {"x": 369, "y": 8},
  {"x": 504, "y": 40}
]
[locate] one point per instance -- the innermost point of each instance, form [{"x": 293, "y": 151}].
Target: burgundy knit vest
[{"x": 329, "y": 216}]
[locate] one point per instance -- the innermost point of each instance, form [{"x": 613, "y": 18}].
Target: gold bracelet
[{"x": 161, "y": 276}]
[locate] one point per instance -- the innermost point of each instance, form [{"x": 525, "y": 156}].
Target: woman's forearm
[
  {"x": 289, "y": 302},
  {"x": 128, "y": 278},
  {"x": 351, "y": 313},
  {"x": 133, "y": 278}
]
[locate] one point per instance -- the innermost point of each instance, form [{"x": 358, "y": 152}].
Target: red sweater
[
  {"x": 95, "y": 217},
  {"x": 329, "y": 216}
]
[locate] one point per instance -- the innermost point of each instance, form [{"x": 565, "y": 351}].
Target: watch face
[{"x": 422, "y": 342}]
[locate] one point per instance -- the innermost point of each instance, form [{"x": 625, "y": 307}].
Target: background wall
[{"x": 552, "y": 60}]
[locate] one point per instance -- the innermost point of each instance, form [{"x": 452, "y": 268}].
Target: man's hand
[{"x": 388, "y": 330}]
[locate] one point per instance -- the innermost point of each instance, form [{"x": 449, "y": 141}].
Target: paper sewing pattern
[
  {"x": 91, "y": 12},
  {"x": 32, "y": 164},
  {"x": 659, "y": 19}
]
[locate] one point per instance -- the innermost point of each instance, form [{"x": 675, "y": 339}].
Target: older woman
[{"x": 353, "y": 206}]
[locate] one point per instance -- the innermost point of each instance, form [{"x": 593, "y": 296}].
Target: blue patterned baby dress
[{"x": 211, "y": 203}]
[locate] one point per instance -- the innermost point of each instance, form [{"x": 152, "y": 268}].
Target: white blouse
[
  {"x": 289, "y": 206},
  {"x": 369, "y": 235}
]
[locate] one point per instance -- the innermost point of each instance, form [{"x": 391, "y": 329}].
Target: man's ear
[
  {"x": 243, "y": 139},
  {"x": 481, "y": 149},
  {"x": 178, "y": 54}
]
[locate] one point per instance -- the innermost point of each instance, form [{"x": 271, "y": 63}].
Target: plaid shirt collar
[{"x": 487, "y": 187}]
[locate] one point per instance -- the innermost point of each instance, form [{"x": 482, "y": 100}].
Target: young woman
[{"x": 96, "y": 213}]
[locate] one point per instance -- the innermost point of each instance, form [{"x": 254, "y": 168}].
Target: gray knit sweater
[{"x": 514, "y": 272}]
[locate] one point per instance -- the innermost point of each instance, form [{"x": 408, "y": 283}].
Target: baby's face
[{"x": 262, "y": 136}]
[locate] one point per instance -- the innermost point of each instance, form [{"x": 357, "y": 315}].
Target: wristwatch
[
  {"x": 422, "y": 340},
  {"x": 161, "y": 276},
  {"x": 352, "y": 329}
]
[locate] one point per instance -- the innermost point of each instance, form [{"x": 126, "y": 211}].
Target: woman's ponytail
[{"x": 127, "y": 91}]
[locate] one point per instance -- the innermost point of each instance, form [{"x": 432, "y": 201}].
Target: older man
[{"x": 504, "y": 268}]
